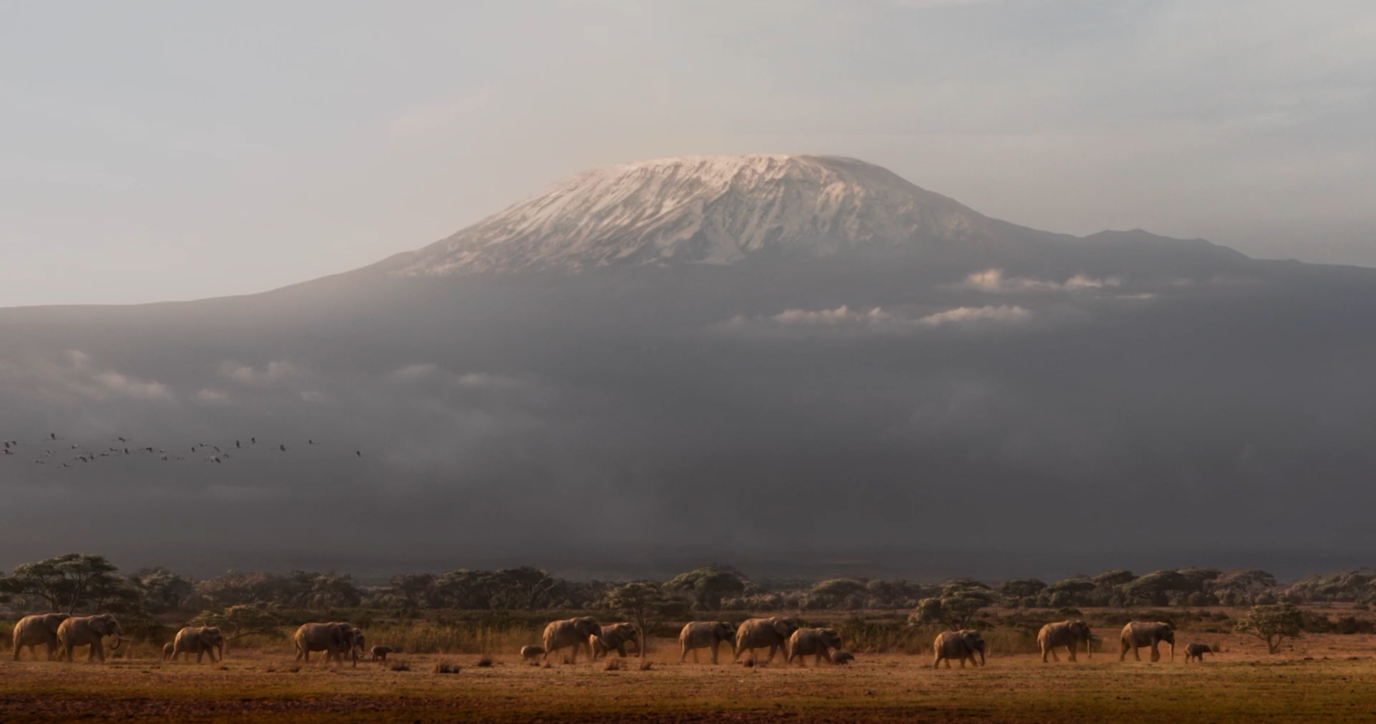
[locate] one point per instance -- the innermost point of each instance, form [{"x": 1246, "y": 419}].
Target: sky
[{"x": 163, "y": 150}]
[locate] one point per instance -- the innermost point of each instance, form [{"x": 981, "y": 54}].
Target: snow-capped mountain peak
[{"x": 699, "y": 209}]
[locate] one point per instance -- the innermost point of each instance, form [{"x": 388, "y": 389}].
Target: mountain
[
  {"x": 705, "y": 210},
  {"x": 763, "y": 359}
]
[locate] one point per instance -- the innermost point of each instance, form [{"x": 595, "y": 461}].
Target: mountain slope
[{"x": 712, "y": 210}]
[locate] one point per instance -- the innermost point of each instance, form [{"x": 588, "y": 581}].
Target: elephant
[
  {"x": 333, "y": 638},
  {"x": 842, "y": 657},
  {"x": 758, "y": 633},
  {"x": 198, "y": 640},
  {"x": 958, "y": 645},
  {"x": 380, "y": 652},
  {"x": 359, "y": 646},
  {"x": 1068, "y": 634},
  {"x": 531, "y": 653},
  {"x": 1147, "y": 633},
  {"x": 814, "y": 642},
  {"x": 38, "y": 629},
  {"x": 570, "y": 632},
  {"x": 705, "y": 635},
  {"x": 1197, "y": 651},
  {"x": 167, "y": 650},
  {"x": 613, "y": 636},
  {"x": 89, "y": 631}
]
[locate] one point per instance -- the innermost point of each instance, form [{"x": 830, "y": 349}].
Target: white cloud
[
  {"x": 878, "y": 320},
  {"x": 993, "y": 281},
  {"x": 77, "y": 377},
  {"x": 1002, "y": 314},
  {"x": 270, "y": 374},
  {"x": 211, "y": 396}
]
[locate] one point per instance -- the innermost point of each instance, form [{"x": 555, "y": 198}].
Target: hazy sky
[{"x": 168, "y": 150}]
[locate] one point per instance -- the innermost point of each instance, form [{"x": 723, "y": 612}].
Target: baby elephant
[
  {"x": 380, "y": 652},
  {"x": 167, "y": 650},
  {"x": 1197, "y": 651},
  {"x": 531, "y": 653},
  {"x": 841, "y": 657}
]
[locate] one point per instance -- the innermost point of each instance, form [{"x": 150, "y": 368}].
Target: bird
[
  {"x": 236, "y": 444},
  {"x": 253, "y": 441},
  {"x": 310, "y": 442},
  {"x": 283, "y": 448},
  {"x": 358, "y": 453},
  {"x": 52, "y": 436}
]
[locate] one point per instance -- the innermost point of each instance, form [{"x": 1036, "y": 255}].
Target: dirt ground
[{"x": 1323, "y": 678}]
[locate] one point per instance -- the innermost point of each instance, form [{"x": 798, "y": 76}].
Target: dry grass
[{"x": 1317, "y": 679}]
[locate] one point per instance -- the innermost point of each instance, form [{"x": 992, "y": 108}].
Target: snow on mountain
[{"x": 699, "y": 209}]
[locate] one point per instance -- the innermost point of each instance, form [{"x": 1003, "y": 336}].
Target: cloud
[
  {"x": 992, "y": 281},
  {"x": 1002, "y": 314},
  {"x": 270, "y": 374},
  {"x": 878, "y": 320},
  {"x": 77, "y": 377},
  {"x": 211, "y": 396}
]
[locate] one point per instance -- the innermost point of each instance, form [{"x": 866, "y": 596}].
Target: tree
[
  {"x": 71, "y": 582},
  {"x": 1244, "y": 585},
  {"x": 1272, "y": 624},
  {"x": 1021, "y": 587},
  {"x": 960, "y": 599},
  {"x": 162, "y": 590},
  {"x": 1153, "y": 587},
  {"x": 647, "y": 603},
  {"x": 242, "y": 620},
  {"x": 708, "y": 586}
]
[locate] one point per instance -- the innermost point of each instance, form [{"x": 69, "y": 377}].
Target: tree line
[{"x": 79, "y": 583}]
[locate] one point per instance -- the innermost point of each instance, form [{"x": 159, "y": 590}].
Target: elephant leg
[
  {"x": 1155, "y": 654},
  {"x": 1137, "y": 653},
  {"x": 1071, "y": 651},
  {"x": 715, "y": 648},
  {"x": 1123, "y": 655}
]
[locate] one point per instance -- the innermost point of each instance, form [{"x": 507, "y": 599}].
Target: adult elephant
[
  {"x": 333, "y": 638},
  {"x": 962, "y": 645},
  {"x": 1147, "y": 633},
  {"x": 815, "y": 642},
  {"x": 705, "y": 635},
  {"x": 1068, "y": 634},
  {"x": 88, "y": 631},
  {"x": 38, "y": 629},
  {"x": 759, "y": 633},
  {"x": 570, "y": 632},
  {"x": 613, "y": 636},
  {"x": 359, "y": 645},
  {"x": 198, "y": 640}
]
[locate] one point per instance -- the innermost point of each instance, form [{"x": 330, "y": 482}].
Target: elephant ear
[{"x": 784, "y": 627}]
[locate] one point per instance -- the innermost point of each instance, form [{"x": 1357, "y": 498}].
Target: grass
[{"x": 1327, "y": 678}]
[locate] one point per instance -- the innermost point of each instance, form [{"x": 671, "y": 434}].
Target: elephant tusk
[{"x": 118, "y": 640}]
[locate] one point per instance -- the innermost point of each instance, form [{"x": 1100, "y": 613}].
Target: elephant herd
[
  {"x": 775, "y": 634},
  {"x": 61, "y": 634}
]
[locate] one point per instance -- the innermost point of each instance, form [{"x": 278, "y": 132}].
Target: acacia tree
[
  {"x": 243, "y": 620},
  {"x": 958, "y": 602},
  {"x": 707, "y": 586},
  {"x": 72, "y": 581},
  {"x": 1272, "y": 624},
  {"x": 647, "y": 603}
]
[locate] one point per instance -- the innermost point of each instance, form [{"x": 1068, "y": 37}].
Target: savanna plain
[{"x": 1319, "y": 677}]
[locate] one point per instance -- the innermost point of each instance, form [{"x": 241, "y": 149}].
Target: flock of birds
[{"x": 49, "y": 454}]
